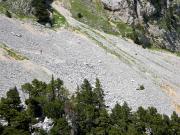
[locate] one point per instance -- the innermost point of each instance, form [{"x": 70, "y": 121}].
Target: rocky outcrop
[
  {"x": 19, "y": 6},
  {"x": 159, "y": 20}
]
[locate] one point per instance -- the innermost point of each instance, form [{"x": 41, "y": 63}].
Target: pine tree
[
  {"x": 61, "y": 127},
  {"x": 175, "y": 124},
  {"x": 54, "y": 109},
  {"x": 52, "y": 85},
  {"x": 59, "y": 88},
  {"x": 10, "y": 106},
  {"x": 41, "y": 10},
  {"x": 35, "y": 89},
  {"x": 34, "y": 108},
  {"x": 13, "y": 98},
  {"x": 21, "y": 121},
  {"x": 121, "y": 117},
  {"x": 14, "y": 131},
  {"x": 85, "y": 108},
  {"x": 101, "y": 123},
  {"x": 99, "y": 95}
]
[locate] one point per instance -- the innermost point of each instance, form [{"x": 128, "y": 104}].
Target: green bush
[
  {"x": 41, "y": 10},
  {"x": 8, "y": 14}
]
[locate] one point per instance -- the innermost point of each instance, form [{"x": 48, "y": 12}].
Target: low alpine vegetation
[{"x": 12, "y": 53}]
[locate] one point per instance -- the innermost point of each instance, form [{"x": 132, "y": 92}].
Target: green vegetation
[
  {"x": 93, "y": 14},
  {"x": 83, "y": 113},
  {"x": 125, "y": 30},
  {"x": 168, "y": 18},
  {"x": 38, "y": 10},
  {"x": 2, "y": 8},
  {"x": 8, "y": 14},
  {"x": 141, "y": 87},
  {"x": 41, "y": 10},
  {"x": 89, "y": 13},
  {"x": 12, "y": 53},
  {"x": 58, "y": 20}
]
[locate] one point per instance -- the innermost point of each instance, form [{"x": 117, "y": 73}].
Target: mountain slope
[
  {"x": 82, "y": 52},
  {"x": 156, "y": 22},
  {"x": 150, "y": 23}
]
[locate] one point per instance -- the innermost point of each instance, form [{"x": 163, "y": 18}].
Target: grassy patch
[
  {"x": 125, "y": 30},
  {"x": 12, "y": 53},
  {"x": 58, "y": 20},
  {"x": 22, "y": 17},
  {"x": 2, "y": 8},
  {"x": 92, "y": 14}
]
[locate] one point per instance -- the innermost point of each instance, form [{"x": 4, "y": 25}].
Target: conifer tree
[
  {"x": 85, "y": 107},
  {"x": 59, "y": 88},
  {"x": 10, "y": 106},
  {"x": 61, "y": 127},
  {"x": 35, "y": 89},
  {"x": 121, "y": 118},
  {"x": 52, "y": 85},
  {"x": 41, "y": 10},
  {"x": 99, "y": 94},
  {"x": 175, "y": 123}
]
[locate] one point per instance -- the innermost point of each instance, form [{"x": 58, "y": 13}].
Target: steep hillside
[
  {"x": 157, "y": 22},
  {"x": 152, "y": 24},
  {"x": 121, "y": 65},
  {"x": 85, "y": 51},
  {"x": 147, "y": 23}
]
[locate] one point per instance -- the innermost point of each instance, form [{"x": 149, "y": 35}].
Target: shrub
[
  {"x": 41, "y": 10},
  {"x": 8, "y": 14},
  {"x": 141, "y": 87}
]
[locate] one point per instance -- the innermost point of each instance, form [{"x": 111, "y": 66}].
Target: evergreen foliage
[
  {"x": 41, "y": 10},
  {"x": 83, "y": 113}
]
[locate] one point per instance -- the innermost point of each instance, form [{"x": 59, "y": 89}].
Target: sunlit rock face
[
  {"x": 19, "y": 6},
  {"x": 152, "y": 17}
]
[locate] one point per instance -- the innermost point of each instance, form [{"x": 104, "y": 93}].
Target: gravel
[{"x": 74, "y": 56}]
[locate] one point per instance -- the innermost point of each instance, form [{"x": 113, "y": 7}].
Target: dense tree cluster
[
  {"x": 42, "y": 10},
  {"x": 83, "y": 113}
]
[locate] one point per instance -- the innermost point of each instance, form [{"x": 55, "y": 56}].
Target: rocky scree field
[{"x": 80, "y": 52}]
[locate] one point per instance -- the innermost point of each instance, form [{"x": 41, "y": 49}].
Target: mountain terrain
[{"x": 95, "y": 39}]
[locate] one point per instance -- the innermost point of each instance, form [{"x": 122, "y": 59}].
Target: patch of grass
[
  {"x": 2, "y": 8},
  {"x": 124, "y": 29},
  {"x": 22, "y": 16},
  {"x": 92, "y": 14},
  {"x": 12, "y": 53},
  {"x": 58, "y": 20}
]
